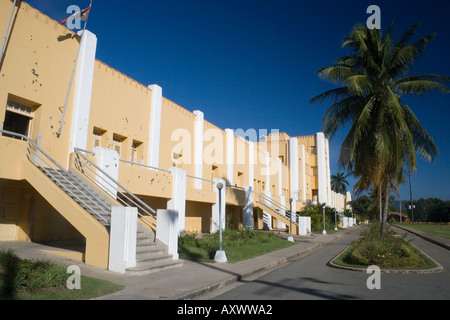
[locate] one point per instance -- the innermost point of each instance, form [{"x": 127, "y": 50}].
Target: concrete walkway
[{"x": 191, "y": 280}]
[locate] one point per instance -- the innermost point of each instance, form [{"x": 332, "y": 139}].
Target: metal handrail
[
  {"x": 59, "y": 169},
  {"x": 115, "y": 184},
  {"x": 273, "y": 203},
  {"x": 134, "y": 163}
]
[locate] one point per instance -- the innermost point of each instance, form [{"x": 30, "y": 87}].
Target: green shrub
[
  {"x": 389, "y": 251},
  {"x": 315, "y": 211},
  {"x": 239, "y": 244},
  {"x": 18, "y": 275}
]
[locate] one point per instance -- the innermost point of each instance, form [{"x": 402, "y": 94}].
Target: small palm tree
[
  {"x": 384, "y": 134},
  {"x": 339, "y": 183}
]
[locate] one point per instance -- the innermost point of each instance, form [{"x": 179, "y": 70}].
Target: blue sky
[{"x": 251, "y": 63}]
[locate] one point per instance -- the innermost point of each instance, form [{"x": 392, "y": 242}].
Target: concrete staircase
[
  {"x": 82, "y": 192},
  {"x": 151, "y": 254}
]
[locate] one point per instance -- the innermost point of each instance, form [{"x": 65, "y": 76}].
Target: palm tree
[
  {"x": 339, "y": 183},
  {"x": 384, "y": 134}
]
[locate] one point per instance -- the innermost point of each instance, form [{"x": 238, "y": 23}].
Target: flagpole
[
  {"x": 7, "y": 30},
  {"x": 71, "y": 78}
]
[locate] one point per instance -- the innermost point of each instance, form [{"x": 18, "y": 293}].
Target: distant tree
[
  {"x": 364, "y": 207},
  {"x": 339, "y": 183},
  {"x": 430, "y": 210}
]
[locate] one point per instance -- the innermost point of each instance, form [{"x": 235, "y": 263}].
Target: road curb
[
  {"x": 437, "y": 269},
  {"x": 427, "y": 237},
  {"x": 260, "y": 270}
]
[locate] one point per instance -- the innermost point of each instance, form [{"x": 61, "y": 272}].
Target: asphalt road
[{"x": 311, "y": 279}]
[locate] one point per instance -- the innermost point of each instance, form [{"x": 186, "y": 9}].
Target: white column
[
  {"x": 122, "y": 243},
  {"x": 280, "y": 192},
  {"x": 348, "y": 197},
  {"x": 83, "y": 91},
  {"x": 108, "y": 161},
  {"x": 247, "y": 211},
  {"x": 266, "y": 215},
  {"x": 215, "y": 208},
  {"x": 178, "y": 201},
  {"x": 251, "y": 164},
  {"x": 230, "y": 154},
  {"x": 281, "y": 224},
  {"x": 155, "y": 126},
  {"x": 267, "y": 162},
  {"x": 321, "y": 168},
  {"x": 327, "y": 163},
  {"x": 293, "y": 169},
  {"x": 303, "y": 198},
  {"x": 167, "y": 230},
  {"x": 280, "y": 176},
  {"x": 198, "y": 148}
]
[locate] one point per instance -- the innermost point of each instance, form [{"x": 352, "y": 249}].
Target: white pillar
[
  {"x": 122, "y": 243},
  {"x": 108, "y": 161},
  {"x": 230, "y": 154},
  {"x": 293, "y": 169},
  {"x": 198, "y": 148},
  {"x": 155, "y": 126},
  {"x": 267, "y": 162},
  {"x": 280, "y": 192},
  {"x": 83, "y": 91},
  {"x": 321, "y": 168},
  {"x": 251, "y": 164},
  {"x": 303, "y": 198},
  {"x": 280, "y": 176},
  {"x": 215, "y": 208},
  {"x": 247, "y": 211},
  {"x": 281, "y": 224},
  {"x": 327, "y": 164},
  {"x": 266, "y": 215},
  {"x": 167, "y": 230},
  {"x": 178, "y": 201},
  {"x": 348, "y": 197}
]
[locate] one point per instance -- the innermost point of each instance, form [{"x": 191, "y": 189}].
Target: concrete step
[{"x": 145, "y": 268}]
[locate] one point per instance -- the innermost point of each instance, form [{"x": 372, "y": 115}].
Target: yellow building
[{"x": 114, "y": 165}]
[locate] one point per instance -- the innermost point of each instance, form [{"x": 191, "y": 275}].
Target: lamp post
[
  {"x": 324, "y": 231},
  {"x": 290, "y": 238},
  {"x": 335, "y": 225},
  {"x": 220, "y": 254}
]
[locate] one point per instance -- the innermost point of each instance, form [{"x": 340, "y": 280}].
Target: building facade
[{"x": 155, "y": 154}]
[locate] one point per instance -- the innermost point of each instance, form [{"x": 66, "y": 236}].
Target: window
[
  {"x": 98, "y": 135},
  {"x": 18, "y": 118},
  {"x": 136, "y": 152},
  {"x": 315, "y": 195},
  {"x": 118, "y": 143},
  {"x": 177, "y": 160},
  {"x": 240, "y": 179},
  {"x": 214, "y": 172}
]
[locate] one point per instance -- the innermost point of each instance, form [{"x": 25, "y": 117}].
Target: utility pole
[{"x": 410, "y": 197}]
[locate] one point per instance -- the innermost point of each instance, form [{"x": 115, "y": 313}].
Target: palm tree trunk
[
  {"x": 387, "y": 192},
  {"x": 379, "y": 197}
]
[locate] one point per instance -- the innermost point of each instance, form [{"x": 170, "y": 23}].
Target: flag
[{"x": 81, "y": 15}]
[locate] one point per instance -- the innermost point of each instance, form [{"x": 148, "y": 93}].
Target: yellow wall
[
  {"x": 36, "y": 45},
  {"x": 36, "y": 71},
  {"x": 119, "y": 106}
]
